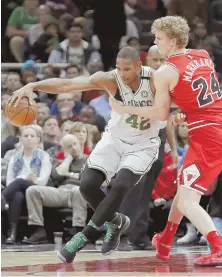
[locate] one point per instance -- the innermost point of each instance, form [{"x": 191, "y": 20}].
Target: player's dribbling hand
[
  {"x": 26, "y": 91},
  {"x": 178, "y": 118},
  {"x": 116, "y": 105}
]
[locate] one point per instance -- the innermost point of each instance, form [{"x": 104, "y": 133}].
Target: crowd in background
[{"x": 68, "y": 126}]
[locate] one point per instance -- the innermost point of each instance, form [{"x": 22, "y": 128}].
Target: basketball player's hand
[
  {"x": 116, "y": 105},
  {"x": 26, "y": 91},
  {"x": 178, "y": 118}
]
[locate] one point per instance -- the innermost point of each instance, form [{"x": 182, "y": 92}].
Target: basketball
[{"x": 24, "y": 114}]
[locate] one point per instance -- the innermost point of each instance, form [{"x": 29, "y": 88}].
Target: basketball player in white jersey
[{"x": 127, "y": 150}]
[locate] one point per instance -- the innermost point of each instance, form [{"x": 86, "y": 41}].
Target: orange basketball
[{"x": 24, "y": 114}]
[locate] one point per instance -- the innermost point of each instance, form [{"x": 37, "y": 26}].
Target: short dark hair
[
  {"x": 47, "y": 118},
  {"x": 132, "y": 38},
  {"x": 71, "y": 66},
  {"x": 50, "y": 24},
  {"x": 74, "y": 25},
  {"x": 129, "y": 53}
]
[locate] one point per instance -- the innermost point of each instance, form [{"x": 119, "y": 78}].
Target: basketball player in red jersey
[{"x": 188, "y": 79}]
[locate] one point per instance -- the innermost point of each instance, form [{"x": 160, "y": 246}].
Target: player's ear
[{"x": 139, "y": 65}]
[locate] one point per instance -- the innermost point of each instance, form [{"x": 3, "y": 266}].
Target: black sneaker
[
  {"x": 38, "y": 237},
  {"x": 113, "y": 234},
  {"x": 68, "y": 252}
]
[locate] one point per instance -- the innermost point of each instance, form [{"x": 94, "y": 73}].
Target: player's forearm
[
  {"x": 171, "y": 135},
  {"x": 57, "y": 86},
  {"x": 153, "y": 113}
]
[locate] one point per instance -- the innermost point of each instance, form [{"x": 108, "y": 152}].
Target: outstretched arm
[{"x": 57, "y": 86}]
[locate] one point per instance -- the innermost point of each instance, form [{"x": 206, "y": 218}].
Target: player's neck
[
  {"x": 135, "y": 84},
  {"x": 177, "y": 51}
]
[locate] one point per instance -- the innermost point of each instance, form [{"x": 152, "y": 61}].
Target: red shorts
[{"x": 203, "y": 160}]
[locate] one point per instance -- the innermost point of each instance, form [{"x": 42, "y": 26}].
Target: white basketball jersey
[{"x": 130, "y": 127}]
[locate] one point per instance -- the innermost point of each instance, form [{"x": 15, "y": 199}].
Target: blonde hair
[
  {"x": 77, "y": 126},
  {"x": 37, "y": 129},
  {"x": 174, "y": 27}
]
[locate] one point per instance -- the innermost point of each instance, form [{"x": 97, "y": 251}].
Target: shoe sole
[
  {"x": 35, "y": 243},
  {"x": 62, "y": 258},
  {"x": 208, "y": 265},
  {"x": 125, "y": 227}
]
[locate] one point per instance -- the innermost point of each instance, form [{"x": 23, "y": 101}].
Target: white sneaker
[
  {"x": 203, "y": 241},
  {"x": 187, "y": 239}
]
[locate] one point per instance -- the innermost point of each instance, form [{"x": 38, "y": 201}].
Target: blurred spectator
[
  {"x": 94, "y": 66},
  {"x": 215, "y": 14},
  {"x": 46, "y": 43},
  {"x": 20, "y": 21},
  {"x": 134, "y": 42},
  {"x": 72, "y": 71},
  {"x": 80, "y": 130},
  {"x": 109, "y": 28},
  {"x": 163, "y": 193},
  {"x": 50, "y": 71},
  {"x": 7, "y": 129},
  {"x": 181, "y": 132},
  {"x": 188, "y": 9},
  {"x": 65, "y": 103},
  {"x": 66, "y": 127},
  {"x": 51, "y": 129},
  {"x": 65, "y": 194},
  {"x": 12, "y": 82},
  {"x": 130, "y": 7},
  {"x": 131, "y": 31},
  {"x": 200, "y": 39},
  {"x": 101, "y": 105},
  {"x": 74, "y": 49},
  {"x": 43, "y": 113},
  {"x": 154, "y": 59},
  {"x": 59, "y": 7},
  {"x": 65, "y": 20},
  {"x": 28, "y": 72},
  {"x": 29, "y": 166},
  {"x": 88, "y": 115},
  {"x": 44, "y": 17}
]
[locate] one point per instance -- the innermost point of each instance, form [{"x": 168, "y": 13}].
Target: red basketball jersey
[{"x": 197, "y": 92}]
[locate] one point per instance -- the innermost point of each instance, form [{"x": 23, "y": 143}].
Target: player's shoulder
[{"x": 166, "y": 71}]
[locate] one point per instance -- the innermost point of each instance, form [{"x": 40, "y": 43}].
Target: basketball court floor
[{"x": 42, "y": 261}]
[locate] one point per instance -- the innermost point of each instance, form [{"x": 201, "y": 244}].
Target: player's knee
[
  {"x": 121, "y": 185},
  {"x": 85, "y": 187},
  {"x": 182, "y": 205}
]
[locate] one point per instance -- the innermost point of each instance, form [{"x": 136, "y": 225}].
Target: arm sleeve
[
  {"x": 45, "y": 171},
  {"x": 14, "y": 17}
]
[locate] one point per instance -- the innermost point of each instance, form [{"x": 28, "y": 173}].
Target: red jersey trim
[
  {"x": 203, "y": 125},
  {"x": 173, "y": 65},
  {"x": 180, "y": 54}
]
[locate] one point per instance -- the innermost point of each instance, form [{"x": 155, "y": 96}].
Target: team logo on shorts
[
  {"x": 190, "y": 174},
  {"x": 144, "y": 94}
]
